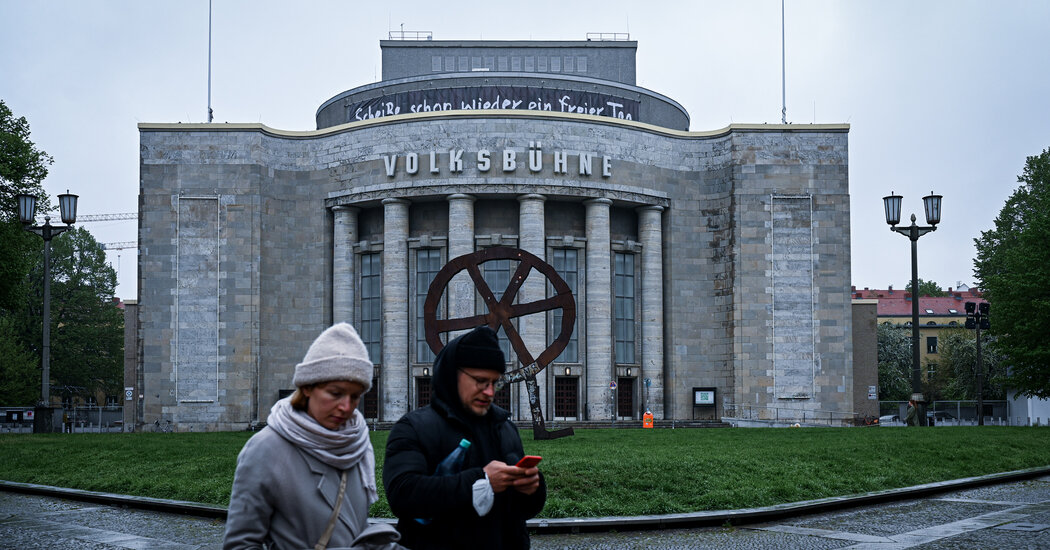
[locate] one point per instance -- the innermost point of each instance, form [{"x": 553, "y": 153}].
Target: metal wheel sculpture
[{"x": 501, "y": 314}]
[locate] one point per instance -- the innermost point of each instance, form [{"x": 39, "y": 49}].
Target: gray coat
[{"x": 283, "y": 496}]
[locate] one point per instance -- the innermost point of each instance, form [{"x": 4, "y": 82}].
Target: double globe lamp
[
  {"x": 67, "y": 206},
  {"x": 892, "y": 205}
]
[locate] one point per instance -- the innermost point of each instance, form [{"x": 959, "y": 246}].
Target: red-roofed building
[{"x": 935, "y": 313}]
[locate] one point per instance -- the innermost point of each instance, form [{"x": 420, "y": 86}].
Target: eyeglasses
[{"x": 482, "y": 383}]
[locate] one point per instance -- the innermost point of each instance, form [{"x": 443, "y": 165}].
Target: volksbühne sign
[{"x": 583, "y": 162}]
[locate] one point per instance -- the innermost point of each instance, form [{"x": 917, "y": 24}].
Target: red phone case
[{"x": 528, "y": 461}]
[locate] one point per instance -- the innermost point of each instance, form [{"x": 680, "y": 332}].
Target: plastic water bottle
[{"x": 451, "y": 464}]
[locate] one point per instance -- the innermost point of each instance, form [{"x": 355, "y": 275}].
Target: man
[{"x": 486, "y": 504}]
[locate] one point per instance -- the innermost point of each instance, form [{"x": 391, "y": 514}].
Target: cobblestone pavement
[{"x": 1012, "y": 515}]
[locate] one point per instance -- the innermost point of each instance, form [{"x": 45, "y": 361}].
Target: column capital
[
  {"x": 599, "y": 200},
  {"x": 531, "y": 197},
  {"x": 461, "y": 197},
  {"x": 396, "y": 201},
  {"x": 650, "y": 207}
]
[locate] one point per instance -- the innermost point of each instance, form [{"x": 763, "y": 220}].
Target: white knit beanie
[{"x": 337, "y": 354}]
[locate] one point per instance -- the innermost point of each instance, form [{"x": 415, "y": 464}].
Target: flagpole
[
  {"x": 783, "y": 70},
  {"x": 209, "y": 63}
]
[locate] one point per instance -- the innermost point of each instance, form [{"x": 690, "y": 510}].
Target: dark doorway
[
  {"x": 422, "y": 391},
  {"x": 625, "y": 397},
  {"x": 566, "y": 396}
]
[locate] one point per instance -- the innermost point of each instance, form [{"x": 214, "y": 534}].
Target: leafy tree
[
  {"x": 22, "y": 169},
  {"x": 87, "y": 329},
  {"x": 895, "y": 362},
  {"x": 927, "y": 288},
  {"x": 1013, "y": 267},
  {"x": 958, "y": 365},
  {"x": 19, "y": 371}
]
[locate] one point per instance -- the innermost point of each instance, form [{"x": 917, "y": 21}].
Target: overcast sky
[{"x": 948, "y": 96}]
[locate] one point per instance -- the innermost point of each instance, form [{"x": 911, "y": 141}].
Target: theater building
[{"x": 710, "y": 269}]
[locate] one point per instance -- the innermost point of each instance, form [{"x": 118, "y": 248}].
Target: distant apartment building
[{"x": 936, "y": 314}]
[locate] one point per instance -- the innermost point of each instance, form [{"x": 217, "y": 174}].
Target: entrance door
[
  {"x": 566, "y": 396},
  {"x": 370, "y": 401},
  {"x": 422, "y": 391},
  {"x": 502, "y": 398},
  {"x": 625, "y": 398}
]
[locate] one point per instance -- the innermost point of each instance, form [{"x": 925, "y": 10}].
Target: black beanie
[{"x": 479, "y": 349}]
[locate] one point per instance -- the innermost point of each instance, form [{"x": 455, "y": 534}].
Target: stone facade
[{"x": 702, "y": 259}]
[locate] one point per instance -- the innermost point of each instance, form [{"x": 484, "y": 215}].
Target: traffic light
[{"x": 977, "y": 315}]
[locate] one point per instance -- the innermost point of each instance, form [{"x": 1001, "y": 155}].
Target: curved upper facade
[{"x": 593, "y": 78}]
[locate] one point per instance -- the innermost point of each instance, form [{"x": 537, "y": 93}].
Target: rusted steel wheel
[{"x": 502, "y": 312}]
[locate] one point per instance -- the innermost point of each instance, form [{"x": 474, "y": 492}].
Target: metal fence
[
  {"x": 84, "y": 419},
  {"x": 891, "y": 413},
  {"x": 746, "y": 415},
  {"x": 961, "y": 413}
]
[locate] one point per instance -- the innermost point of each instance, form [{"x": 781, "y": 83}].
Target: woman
[
  {"x": 307, "y": 479},
  {"x": 911, "y": 418}
]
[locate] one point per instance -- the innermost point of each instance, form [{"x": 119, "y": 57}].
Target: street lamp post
[
  {"x": 932, "y": 204},
  {"x": 67, "y": 205}
]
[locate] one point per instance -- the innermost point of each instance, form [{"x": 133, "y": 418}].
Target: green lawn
[{"x": 593, "y": 473}]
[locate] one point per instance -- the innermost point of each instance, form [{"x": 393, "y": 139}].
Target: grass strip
[{"x": 594, "y": 473}]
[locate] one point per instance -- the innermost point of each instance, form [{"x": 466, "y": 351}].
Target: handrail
[
  {"x": 411, "y": 35},
  {"x": 608, "y": 36},
  {"x": 781, "y": 415}
]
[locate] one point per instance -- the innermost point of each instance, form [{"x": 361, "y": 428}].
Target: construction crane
[
  {"x": 120, "y": 246},
  {"x": 108, "y": 217},
  {"x": 100, "y": 217}
]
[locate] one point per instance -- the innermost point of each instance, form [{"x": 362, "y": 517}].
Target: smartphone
[{"x": 529, "y": 461}]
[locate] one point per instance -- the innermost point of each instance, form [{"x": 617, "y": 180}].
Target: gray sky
[{"x": 948, "y": 96}]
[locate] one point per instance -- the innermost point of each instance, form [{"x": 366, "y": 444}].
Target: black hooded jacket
[{"x": 422, "y": 439}]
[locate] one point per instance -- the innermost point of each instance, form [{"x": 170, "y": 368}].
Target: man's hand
[{"x": 503, "y": 476}]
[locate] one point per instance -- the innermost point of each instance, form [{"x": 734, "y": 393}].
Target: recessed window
[
  {"x": 929, "y": 312},
  {"x": 953, "y": 311}
]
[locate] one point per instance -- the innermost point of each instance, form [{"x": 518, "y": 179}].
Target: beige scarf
[{"x": 341, "y": 449}]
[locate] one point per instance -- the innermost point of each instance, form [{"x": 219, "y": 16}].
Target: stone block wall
[{"x": 724, "y": 258}]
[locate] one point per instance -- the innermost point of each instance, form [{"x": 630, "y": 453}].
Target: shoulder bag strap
[{"x": 322, "y": 543}]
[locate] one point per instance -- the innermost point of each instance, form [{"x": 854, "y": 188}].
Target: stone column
[
  {"x": 460, "y": 295},
  {"x": 343, "y": 239},
  {"x": 394, "y": 374},
  {"x": 533, "y": 328},
  {"x": 650, "y": 233},
  {"x": 598, "y": 364}
]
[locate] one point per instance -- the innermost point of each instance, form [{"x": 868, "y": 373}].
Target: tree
[
  {"x": 927, "y": 288},
  {"x": 958, "y": 365},
  {"x": 1013, "y": 267},
  {"x": 22, "y": 169},
  {"x": 19, "y": 370},
  {"x": 895, "y": 362},
  {"x": 87, "y": 329}
]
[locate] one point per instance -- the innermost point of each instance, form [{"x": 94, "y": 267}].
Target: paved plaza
[{"x": 1013, "y": 515}]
